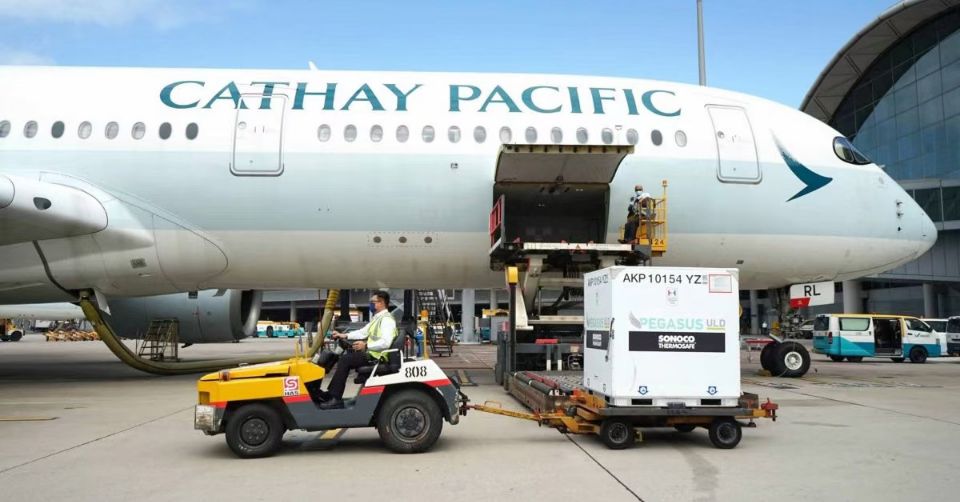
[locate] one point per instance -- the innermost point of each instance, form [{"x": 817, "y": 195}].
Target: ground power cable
[{"x": 612, "y": 475}]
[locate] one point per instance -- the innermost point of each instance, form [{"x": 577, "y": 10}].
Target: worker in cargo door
[
  {"x": 639, "y": 212},
  {"x": 369, "y": 343}
]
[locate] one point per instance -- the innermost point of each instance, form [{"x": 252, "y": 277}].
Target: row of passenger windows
[
  {"x": 110, "y": 131},
  {"x": 325, "y": 133},
  {"x": 530, "y": 135}
]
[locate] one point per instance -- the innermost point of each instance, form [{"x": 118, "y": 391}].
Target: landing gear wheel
[
  {"x": 918, "y": 355},
  {"x": 854, "y": 359},
  {"x": 836, "y": 359},
  {"x": 617, "y": 433},
  {"x": 684, "y": 427},
  {"x": 792, "y": 360},
  {"x": 897, "y": 359},
  {"x": 767, "y": 357},
  {"x": 409, "y": 422},
  {"x": 725, "y": 433},
  {"x": 254, "y": 431}
]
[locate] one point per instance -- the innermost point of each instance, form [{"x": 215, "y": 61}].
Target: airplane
[
  {"x": 188, "y": 191},
  {"x": 42, "y": 312}
]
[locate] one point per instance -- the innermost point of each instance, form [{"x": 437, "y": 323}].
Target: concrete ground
[{"x": 76, "y": 424}]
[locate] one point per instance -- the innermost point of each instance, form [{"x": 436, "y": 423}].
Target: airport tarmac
[{"x": 76, "y": 424}]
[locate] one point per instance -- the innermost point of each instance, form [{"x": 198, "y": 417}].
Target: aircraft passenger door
[
  {"x": 736, "y": 148},
  {"x": 258, "y": 137}
]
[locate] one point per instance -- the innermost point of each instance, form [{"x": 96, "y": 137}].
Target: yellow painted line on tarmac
[
  {"x": 26, "y": 419},
  {"x": 465, "y": 379}
]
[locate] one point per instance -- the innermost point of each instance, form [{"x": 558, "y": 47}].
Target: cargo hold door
[{"x": 554, "y": 193}]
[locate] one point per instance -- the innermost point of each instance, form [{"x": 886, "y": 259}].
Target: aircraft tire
[
  {"x": 767, "y": 357},
  {"x": 792, "y": 360}
]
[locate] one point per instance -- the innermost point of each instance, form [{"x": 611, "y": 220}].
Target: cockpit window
[{"x": 849, "y": 153}]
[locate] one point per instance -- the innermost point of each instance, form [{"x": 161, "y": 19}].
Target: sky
[{"x": 773, "y": 49}]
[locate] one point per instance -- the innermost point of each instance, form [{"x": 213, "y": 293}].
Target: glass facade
[{"x": 904, "y": 113}]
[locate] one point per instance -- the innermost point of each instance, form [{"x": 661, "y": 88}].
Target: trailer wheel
[
  {"x": 684, "y": 427},
  {"x": 836, "y": 359},
  {"x": 254, "y": 430},
  {"x": 918, "y": 355},
  {"x": 854, "y": 359},
  {"x": 767, "y": 357},
  {"x": 725, "y": 433},
  {"x": 897, "y": 359},
  {"x": 4, "y": 338},
  {"x": 16, "y": 336},
  {"x": 792, "y": 360},
  {"x": 617, "y": 433},
  {"x": 409, "y": 422}
]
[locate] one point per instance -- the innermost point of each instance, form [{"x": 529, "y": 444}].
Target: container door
[{"x": 736, "y": 148}]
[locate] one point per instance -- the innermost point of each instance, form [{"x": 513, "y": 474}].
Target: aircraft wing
[{"x": 32, "y": 209}]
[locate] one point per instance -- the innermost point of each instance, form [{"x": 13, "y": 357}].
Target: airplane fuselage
[{"x": 294, "y": 179}]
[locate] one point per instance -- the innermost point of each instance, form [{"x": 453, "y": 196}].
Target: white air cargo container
[{"x": 657, "y": 336}]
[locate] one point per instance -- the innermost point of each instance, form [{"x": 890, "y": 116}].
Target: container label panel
[
  {"x": 660, "y": 341},
  {"x": 598, "y": 339}
]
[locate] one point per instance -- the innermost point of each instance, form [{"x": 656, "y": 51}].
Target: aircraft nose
[{"x": 928, "y": 233}]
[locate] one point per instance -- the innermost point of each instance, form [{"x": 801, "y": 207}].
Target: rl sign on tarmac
[{"x": 811, "y": 294}]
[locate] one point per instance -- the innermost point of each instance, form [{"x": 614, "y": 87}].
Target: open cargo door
[{"x": 560, "y": 163}]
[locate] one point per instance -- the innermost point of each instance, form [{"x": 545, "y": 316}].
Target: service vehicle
[
  {"x": 9, "y": 332},
  {"x": 406, "y": 400},
  {"x": 272, "y": 329},
  {"x": 852, "y": 337},
  {"x": 953, "y": 335}
]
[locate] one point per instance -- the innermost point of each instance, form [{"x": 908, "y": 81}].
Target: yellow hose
[{"x": 333, "y": 297}]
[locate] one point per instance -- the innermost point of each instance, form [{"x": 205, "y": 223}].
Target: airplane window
[
  {"x": 323, "y": 133},
  {"x": 582, "y": 135},
  {"x": 192, "y": 130},
  {"x": 350, "y": 133},
  {"x": 681, "y": 138},
  {"x": 531, "y": 135},
  {"x": 506, "y": 135},
  {"x": 403, "y": 133},
  {"x": 633, "y": 137},
  {"x": 165, "y": 130},
  {"x": 479, "y": 134},
  {"x": 57, "y": 130},
  {"x": 428, "y": 134},
  {"x": 848, "y": 153},
  {"x": 4, "y": 128},
  {"x": 30, "y": 129},
  {"x": 139, "y": 130},
  {"x": 376, "y": 133},
  {"x": 556, "y": 135},
  {"x": 657, "y": 137},
  {"x": 84, "y": 130},
  {"x": 606, "y": 135},
  {"x": 112, "y": 130},
  {"x": 453, "y": 134}
]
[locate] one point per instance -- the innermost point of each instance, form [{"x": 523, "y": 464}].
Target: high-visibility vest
[{"x": 374, "y": 334}]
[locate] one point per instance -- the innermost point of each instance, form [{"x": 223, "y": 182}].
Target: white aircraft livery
[{"x": 138, "y": 183}]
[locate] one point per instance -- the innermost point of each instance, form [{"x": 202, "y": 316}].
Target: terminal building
[{"x": 894, "y": 90}]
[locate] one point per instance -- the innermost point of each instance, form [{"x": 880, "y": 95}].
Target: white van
[{"x": 852, "y": 337}]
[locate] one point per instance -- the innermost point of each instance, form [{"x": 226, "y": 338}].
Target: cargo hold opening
[{"x": 553, "y": 193}]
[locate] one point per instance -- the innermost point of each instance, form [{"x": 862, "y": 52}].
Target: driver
[{"x": 369, "y": 343}]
